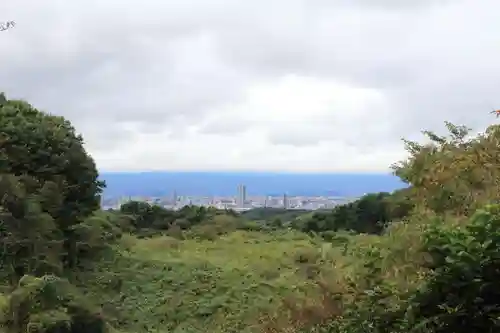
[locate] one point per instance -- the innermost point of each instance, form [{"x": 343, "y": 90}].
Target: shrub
[
  {"x": 462, "y": 294},
  {"x": 217, "y": 226},
  {"x": 453, "y": 173},
  {"x": 30, "y": 241},
  {"x": 51, "y": 305}
]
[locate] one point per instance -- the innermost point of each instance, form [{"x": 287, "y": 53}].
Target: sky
[{"x": 281, "y": 85}]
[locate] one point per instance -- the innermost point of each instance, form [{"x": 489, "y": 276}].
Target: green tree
[
  {"x": 47, "y": 149},
  {"x": 30, "y": 241},
  {"x": 142, "y": 212},
  {"x": 50, "y": 304},
  {"x": 455, "y": 173},
  {"x": 369, "y": 214}
]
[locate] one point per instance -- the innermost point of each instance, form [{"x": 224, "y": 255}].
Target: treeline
[
  {"x": 369, "y": 214},
  {"x": 146, "y": 220},
  {"x": 147, "y": 216}
]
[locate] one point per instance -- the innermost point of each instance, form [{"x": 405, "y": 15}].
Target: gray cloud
[
  {"x": 390, "y": 4},
  {"x": 119, "y": 69}
]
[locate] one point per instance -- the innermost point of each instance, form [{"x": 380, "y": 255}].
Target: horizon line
[{"x": 247, "y": 171}]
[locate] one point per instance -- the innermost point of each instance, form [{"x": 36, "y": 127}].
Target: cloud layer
[{"x": 296, "y": 85}]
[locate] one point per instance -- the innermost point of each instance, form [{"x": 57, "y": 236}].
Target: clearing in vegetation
[{"x": 194, "y": 285}]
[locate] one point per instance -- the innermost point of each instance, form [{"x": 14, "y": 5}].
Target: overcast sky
[{"x": 292, "y": 85}]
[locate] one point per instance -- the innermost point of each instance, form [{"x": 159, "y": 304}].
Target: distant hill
[{"x": 257, "y": 183}]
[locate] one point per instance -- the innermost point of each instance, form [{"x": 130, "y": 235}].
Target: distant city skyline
[
  {"x": 234, "y": 202},
  {"x": 160, "y": 184}
]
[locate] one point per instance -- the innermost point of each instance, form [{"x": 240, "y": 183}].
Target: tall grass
[{"x": 196, "y": 285}]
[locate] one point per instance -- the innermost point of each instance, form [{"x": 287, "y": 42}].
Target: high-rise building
[
  {"x": 241, "y": 196},
  {"x": 175, "y": 198},
  {"x": 285, "y": 201}
]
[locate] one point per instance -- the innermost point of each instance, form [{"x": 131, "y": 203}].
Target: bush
[
  {"x": 462, "y": 293},
  {"x": 214, "y": 228},
  {"x": 459, "y": 293},
  {"x": 454, "y": 173},
  {"x": 254, "y": 226},
  {"x": 94, "y": 237},
  {"x": 51, "y": 305},
  {"x": 369, "y": 214},
  {"x": 30, "y": 241}
]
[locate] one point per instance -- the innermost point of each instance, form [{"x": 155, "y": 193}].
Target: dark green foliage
[
  {"x": 459, "y": 294},
  {"x": 456, "y": 289},
  {"x": 270, "y": 214},
  {"x": 119, "y": 221},
  {"x": 30, "y": 241},
  {"x": 46, "y": 149},
  {"x": 213, "y": 228},
  {"x": 145, "y": 216},
  {"x": 48, "y": 195},
  {"x": 369, "y": 214},
  {"x": 94, "y": 237},
  {"x": 366, "y": 215},
  {"x": 373, "y": 305},
  {"x": 51, "y": 305},
  {"x": 148, "y": 216},
  {"x": 462, "y": 293},
  {"x": 254, "y": 226}
]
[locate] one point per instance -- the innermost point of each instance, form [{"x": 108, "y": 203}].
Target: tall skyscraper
[
  {"x": 241, "y": 196},
  {"x": 285, "y": 201}
]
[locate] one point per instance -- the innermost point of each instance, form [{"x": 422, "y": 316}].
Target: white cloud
[
  {"x": 293, "y": 124},
  {"x": 290, "y": 85}
]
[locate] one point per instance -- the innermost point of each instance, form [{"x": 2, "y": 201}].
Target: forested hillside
[{"x": 423, "y": 259}]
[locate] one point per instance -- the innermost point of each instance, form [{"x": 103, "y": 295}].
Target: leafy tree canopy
[
  {"x": 47, "y": 180},
  {"x": 47, "y": 148}
]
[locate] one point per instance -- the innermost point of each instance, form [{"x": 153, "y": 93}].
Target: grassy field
[
  {"x": 165, "y": 284},
  {"x": 238, "y": 281},
  {"x": 245, "y": 281}
]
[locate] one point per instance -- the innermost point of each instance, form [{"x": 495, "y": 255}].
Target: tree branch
[{"x": 7, "y": 25}]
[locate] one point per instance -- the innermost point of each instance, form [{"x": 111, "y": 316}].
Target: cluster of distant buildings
[{"x": 240, "y": 202}]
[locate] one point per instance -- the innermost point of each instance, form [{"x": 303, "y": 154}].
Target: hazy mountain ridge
[{"x": 258, "y": 183}]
